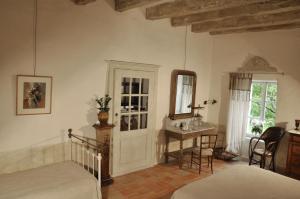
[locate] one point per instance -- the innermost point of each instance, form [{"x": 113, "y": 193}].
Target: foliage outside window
[{"x": 262, "y": 105}]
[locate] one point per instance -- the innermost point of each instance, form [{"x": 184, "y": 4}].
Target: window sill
[{"x": 249, "y": 136}]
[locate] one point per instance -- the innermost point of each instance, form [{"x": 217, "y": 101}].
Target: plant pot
[{"x": 103, "y": 118}]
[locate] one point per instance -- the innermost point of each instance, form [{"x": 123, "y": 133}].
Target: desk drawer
[
  {"x": 295, "y": 160},
  {"x": 295, "y": 138},
  {"x": 296, "y": 149}
]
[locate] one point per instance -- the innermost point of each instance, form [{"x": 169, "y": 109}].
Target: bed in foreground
[
  {"x": 65, "y": 180},
  {"x": 241, "y": 182},
  {"x": 71, "y": 179}
]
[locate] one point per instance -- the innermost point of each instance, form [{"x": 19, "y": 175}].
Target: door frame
[{"x": 113, "y": 66}]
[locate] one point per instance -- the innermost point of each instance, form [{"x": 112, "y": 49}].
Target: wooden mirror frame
[{"x": 173, "y": 94}]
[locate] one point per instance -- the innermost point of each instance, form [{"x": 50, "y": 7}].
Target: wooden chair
[
  {"x": 204, "y": 150},
  {"x": 270, "y": 139}
]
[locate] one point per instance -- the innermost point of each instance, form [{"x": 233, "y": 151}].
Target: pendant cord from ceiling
[
  {"x": 34, "y": 36},
  {"x": 185, "y": 47}
]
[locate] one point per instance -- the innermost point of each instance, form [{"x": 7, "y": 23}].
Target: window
[{"x": 263, "y": 100}]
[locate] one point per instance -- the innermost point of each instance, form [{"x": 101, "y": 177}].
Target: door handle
[{"x": 116, "y": 114}]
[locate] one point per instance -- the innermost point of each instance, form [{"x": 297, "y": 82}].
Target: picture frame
[{"x": 34, "y": 95}]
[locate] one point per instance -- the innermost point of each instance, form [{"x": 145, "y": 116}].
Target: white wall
[
  {"x": 281, "y": 49},
  {"x": 73, "y": 44}
]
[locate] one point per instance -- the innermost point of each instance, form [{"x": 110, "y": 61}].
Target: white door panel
[{"x": 137, "y": 153}]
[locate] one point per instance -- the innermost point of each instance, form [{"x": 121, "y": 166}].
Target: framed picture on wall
[{"x": 34, "y": 94}]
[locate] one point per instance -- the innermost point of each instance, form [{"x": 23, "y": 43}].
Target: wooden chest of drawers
[{"x": 293, "y": 160}]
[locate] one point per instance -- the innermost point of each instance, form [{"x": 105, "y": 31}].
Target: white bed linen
[
  {"x": 241, "y": 182},
  {"x": 65, "y": 180}
]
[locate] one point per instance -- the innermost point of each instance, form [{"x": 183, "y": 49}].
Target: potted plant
[
  {"x": 103, "y": 109},
  {"x": 257, "y": 129}
]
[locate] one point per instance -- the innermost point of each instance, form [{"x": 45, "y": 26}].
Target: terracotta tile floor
[{"x": 158, "y": 182}]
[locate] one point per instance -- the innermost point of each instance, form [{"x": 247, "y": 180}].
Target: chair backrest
[
  {"x": 272, "y": 134},
  {"x": 208, "y": 141}
]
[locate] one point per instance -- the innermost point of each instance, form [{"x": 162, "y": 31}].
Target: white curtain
[{"x": 240, "y": 88}]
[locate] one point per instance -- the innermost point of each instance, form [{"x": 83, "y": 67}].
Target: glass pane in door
[
  {"x": 144, "y": 103},
  {"x": 124, "y": 123},
  {"x": 125, "y": 104},
  {"x": 134, "y": 122},
  {"x": 135, "y": 104},
  {"x": 143, "y": 122},
  {"x": 135, "y": 86},
  {"x": 125, "y": 85},
  {"x": 145, "y": 86}
]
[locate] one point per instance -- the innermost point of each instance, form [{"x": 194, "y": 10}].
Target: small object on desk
[
  {"x": 297, "y": 123},
  {"x": 181, "y": 125},
  {"x": 185, "y": 126}
]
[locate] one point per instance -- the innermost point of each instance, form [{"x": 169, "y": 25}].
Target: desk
[
  {"x": 181, "y": 135},
  {"x": 293, "y": 159}
]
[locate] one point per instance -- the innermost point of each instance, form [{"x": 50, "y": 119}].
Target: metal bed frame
[{"x": 87, "y": 155}]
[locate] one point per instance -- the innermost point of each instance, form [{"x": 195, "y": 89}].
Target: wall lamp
[{"x": 213, "y": 101}]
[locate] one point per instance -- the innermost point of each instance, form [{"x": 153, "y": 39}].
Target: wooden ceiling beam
[
  {"x": 123, "y": 5},
  {"x": 186, "y": 7},
  {"x": 258, "y": 29},
  {"x": 82, "y": 2},
  {"x": 273, "y": 6},
  {"x": 248, "y": 21}
]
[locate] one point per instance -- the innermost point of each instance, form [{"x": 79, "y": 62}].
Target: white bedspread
[
  {"x": 241, "y": 182},
  {"x": 65, "y": 180}
]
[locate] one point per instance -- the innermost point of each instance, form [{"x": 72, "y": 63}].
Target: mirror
[{"x": 183, "y": 88}]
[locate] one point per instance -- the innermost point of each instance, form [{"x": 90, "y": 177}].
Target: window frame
[{"x": 262, "y": 103}]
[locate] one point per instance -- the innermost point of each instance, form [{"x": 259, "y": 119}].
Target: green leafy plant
[
  {"x": 257, "y": 129},
  {"x": 103, "y": 103}
]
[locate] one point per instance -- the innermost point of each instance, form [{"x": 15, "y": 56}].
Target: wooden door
[{"x": 134, "y": 119}]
